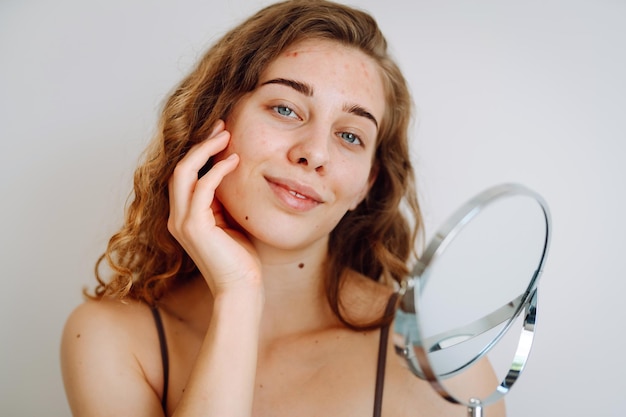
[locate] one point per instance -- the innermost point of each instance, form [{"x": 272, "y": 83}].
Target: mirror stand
[{"x": 475, "y": 408}]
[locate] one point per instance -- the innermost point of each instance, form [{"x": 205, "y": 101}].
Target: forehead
[{"x": 333, "y": 70}]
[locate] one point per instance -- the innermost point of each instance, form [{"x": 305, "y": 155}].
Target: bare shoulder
[
  {"x": 404, "y": 393},
  {"x": 106, "y": 324},
  {"x": 408, "y": 395},
  {"x": 108, "y": 347},
  {"x": 106, "y": 311}
]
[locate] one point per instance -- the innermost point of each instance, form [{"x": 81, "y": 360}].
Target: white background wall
[{"x": 532, "y": 92}]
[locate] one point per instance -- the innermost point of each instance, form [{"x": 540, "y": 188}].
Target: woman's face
[{"x": 306, "y": 138}]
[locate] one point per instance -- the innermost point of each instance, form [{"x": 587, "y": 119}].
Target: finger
[
  {"x": 185, "y": 176},
  {"x": 204, "y": 193},
  {"x": 201, "y": 152},
  {"x": 218, "y": 127}
]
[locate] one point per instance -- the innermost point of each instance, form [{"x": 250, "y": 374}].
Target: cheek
[
  {"x": 355, "y": 181},
  {"x": 249, "y": 141}
]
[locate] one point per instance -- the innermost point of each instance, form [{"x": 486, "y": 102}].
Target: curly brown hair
[{"x": 377, "y": 239}]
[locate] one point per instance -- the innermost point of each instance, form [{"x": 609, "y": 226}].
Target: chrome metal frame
[{"x": 417, "y": 354}]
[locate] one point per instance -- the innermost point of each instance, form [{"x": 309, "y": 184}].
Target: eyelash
[
  {"x": 354, "y": 138},
  {"x": 280, "y": 107}
]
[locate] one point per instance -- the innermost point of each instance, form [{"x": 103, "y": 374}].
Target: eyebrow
[
  {"x": 360, "y": 111},
  {"x": 307, "y": 90},
  {"x": 300, "y": 87}
]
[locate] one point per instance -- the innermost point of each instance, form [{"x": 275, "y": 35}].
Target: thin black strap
[
  {"x": 164, "y": 355},
  {"x": 382, "y": 357}
]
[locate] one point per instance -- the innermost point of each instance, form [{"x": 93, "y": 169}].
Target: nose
[{"x": 311, "y": 150}]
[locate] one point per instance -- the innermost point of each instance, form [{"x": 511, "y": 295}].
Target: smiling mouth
[
  {"x": 300, "y": 195},
  {"x": 305, "y": 195}
]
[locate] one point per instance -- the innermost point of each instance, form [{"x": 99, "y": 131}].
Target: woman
[{"x": 269, "y": 269}]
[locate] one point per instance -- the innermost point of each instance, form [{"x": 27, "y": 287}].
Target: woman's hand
[{"x": 224, "y": 256}]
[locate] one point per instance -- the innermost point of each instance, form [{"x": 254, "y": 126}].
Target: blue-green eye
[
  {"x": 350, "y": 138},
  {"x": 285, "y": 111}
]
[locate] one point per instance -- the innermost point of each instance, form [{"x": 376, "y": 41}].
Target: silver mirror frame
[{"x": 417, "y": 355}]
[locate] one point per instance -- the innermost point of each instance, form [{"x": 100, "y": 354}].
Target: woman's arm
[
  {"x": 101, "y": 373},
  {"x": 103, "y": 342},
  {"x": 222, "y": 381}
]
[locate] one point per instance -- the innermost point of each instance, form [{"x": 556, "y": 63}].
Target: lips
[{"x": 294, "y": 194}]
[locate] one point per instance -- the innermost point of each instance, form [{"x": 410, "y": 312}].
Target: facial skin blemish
[
  {"x": 300, "y": 266},
  {"x": 78, "y": 336},
  {"x": 246, "y": 217}
]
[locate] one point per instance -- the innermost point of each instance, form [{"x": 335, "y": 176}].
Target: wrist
[{"x": 239, "y": 298}]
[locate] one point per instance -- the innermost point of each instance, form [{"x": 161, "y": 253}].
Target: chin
[
  {"x": 285, "y": 237},
  {"x": 266, "y": 225}
]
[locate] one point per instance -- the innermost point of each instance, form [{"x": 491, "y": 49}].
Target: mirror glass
[{"x": 474, "y": 293}]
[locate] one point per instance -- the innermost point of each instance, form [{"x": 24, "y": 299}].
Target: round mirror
[{"x": 470, "y": 293}]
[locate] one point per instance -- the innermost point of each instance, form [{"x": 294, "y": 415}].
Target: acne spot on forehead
[
  {"x": 366, "y": 71},
  {"x": 291, "y": 54}
]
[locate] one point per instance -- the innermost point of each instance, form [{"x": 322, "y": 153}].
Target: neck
[{"x": 295, "y": 297}]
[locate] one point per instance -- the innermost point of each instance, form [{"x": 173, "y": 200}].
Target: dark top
[
  {"x": 164, "y": 356},
  {"x": 380, "y": 369}
]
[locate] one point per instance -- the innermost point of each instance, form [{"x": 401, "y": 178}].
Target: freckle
[
  {"x": 260, "y": 385},
  {"x": 78, "y": 336},
  {"x": 300, "y": 266}
]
